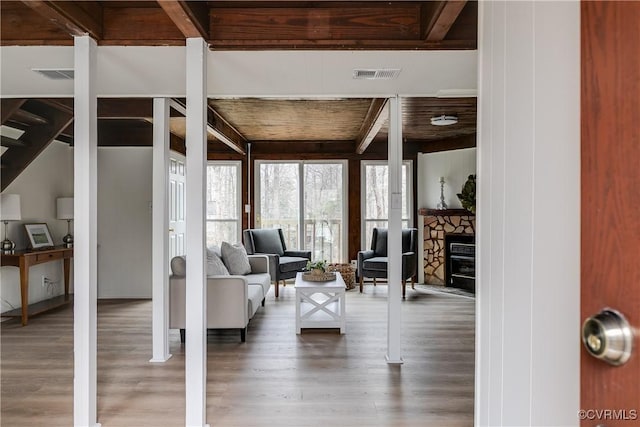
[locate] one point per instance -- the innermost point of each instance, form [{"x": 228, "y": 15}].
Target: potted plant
[
  {"x": 468, "y": 195},
  {"x": 318, "y": 267}
]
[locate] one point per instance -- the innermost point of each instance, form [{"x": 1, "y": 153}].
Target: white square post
[
  {"x": 394, "y": 234},
  {"x": 85, "y": 205},
  {"x": 196, "y": 292},
  {"x": 160, "y": 240}
]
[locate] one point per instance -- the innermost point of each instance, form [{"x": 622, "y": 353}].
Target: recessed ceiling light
[{"x": 444, "y": 120}]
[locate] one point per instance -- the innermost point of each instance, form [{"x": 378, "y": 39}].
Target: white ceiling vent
[
  {"x": 376, "y": 73},
  {"x": 55, "y": 73}
]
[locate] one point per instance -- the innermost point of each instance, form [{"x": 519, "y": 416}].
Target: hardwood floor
[{"x": 276, "y": 378}]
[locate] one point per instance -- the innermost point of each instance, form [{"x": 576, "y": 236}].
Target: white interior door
[{"x": 177, "y": 174}]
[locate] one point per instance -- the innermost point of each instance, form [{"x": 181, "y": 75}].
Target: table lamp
[
  {"x": 65, "y": 211},
  {"x": 9, "y": 211}
]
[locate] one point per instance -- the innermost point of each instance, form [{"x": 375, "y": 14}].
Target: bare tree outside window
[
  {"x": 323, "y": 210},
  {"x": 320, "y": 210},
  {"x": 279, "y": 199},
  {"x": 376, "y": 194},
  {"x": 223, "y": 202}
]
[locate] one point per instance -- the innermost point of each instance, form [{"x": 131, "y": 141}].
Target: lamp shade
[
  {"x": 10, "y": 207},
  {"x": 65, "y": 207}
]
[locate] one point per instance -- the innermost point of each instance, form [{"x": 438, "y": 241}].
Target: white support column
[
  {"x": 85, "y": 266},
  {"x": 196, "y": 331},
  {"x": 160, "y": 241},
  {"x": 394, "y": 236}
]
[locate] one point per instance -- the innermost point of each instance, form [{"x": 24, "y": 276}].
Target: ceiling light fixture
[{"x": 444, "y": 120}]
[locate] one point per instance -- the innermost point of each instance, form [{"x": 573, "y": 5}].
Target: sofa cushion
[
  {"x": 376, "y": 263},
  {"x": 292, "y": 263},
  {"x": 235, "y": 258},
  {"x": 254, "y": 299},
  {"x": 215, "y": 266},
  {"x": 179, "y": 266},
  {"x": 262, "y": 279},
  {"x": 267, "y": 241}
]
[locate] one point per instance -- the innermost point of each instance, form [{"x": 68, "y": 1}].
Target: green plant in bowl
[
  {"x": 317, "y": 267},
  {"x": 468, "y": 195}
]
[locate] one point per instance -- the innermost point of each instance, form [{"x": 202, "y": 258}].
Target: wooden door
[
  {"x": 610, "y": 116},
  {"x": 177, "y": 176}
]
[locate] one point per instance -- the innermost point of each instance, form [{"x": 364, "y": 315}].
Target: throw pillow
[
  {"x": 215, "y": 266},
  {"x": 215, "y": 249},
  {"x": 235, "y": 258}
]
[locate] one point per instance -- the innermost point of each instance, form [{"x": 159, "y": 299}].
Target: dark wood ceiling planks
[
  {"x": 245, "y": 25},
  {"x": 294, "y": 120}
]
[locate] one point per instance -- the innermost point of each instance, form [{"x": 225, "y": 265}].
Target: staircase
[{"x": 41, "y": 121}]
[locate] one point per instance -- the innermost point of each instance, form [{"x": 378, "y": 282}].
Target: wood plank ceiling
[{"x": 244, "y": 25}]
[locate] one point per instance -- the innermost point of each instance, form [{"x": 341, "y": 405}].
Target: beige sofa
[{"x": 231, "y": 300}]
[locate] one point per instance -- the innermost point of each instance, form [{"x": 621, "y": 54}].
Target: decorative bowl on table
[{"x": 322, "y": 276}]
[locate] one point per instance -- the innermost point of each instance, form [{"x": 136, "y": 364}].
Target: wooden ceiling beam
[
  {"x": 376, "y": 117},
  {"x": 343, "y": 44},
  {"x": 191, "y": 17},
  {"x": 177, "y": 144},
  {"x": 456, "y": 143},
  {"x": 70, "y": 16},
  {"x": 443, "y": 15},
  {"x": 224, "y": 132},
  {"x": 9, "y": 106},
  {"x": 125, "y": 108}
]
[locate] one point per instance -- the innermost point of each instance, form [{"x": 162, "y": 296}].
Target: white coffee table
[{"x": 320, "y": 304}]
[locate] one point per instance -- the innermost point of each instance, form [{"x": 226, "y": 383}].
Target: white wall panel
[
  {"x": 124, "y": 222},
  {"x": 528, "y": 214},
  {"x": 455, "y": 166}
]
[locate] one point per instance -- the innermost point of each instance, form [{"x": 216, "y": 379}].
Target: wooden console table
[{"x": 24, "y": 259}]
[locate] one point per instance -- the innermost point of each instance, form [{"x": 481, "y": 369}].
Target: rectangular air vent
[
  {"x": 55, "y": 73},
  {"x": 376, "y": 73}
]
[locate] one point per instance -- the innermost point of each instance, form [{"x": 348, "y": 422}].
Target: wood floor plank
[{"x": 318, "y": 378}]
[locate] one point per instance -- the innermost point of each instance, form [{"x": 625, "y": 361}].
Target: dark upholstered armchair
[
  {"x": 283, "y": 263},
  {"x": 373, "y": 263}
]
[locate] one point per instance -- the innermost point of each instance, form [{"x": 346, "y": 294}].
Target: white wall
[
  {"x": 455, "y": 166},
  {"x": 48, "y": 177},
  {"x": 124, "y": 222},
  {"x": 528, "y": 228},
  {"x": 159, "y": 71}
]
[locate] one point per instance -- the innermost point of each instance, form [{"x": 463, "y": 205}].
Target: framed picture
[{"x": 39, "y": 235}]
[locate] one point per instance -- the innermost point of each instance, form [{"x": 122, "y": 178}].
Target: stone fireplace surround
[{"x": 436, "y": 224}]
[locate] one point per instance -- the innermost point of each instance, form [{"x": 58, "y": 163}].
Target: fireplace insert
[{"x": 460, "y": 256}]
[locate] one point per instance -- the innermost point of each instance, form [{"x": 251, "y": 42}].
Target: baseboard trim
[
  {"x": 394, "y": 361},
  {"x": 167, "y": 357}
]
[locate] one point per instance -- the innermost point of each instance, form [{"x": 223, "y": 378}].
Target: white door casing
[{"x": 177, "y": 173}]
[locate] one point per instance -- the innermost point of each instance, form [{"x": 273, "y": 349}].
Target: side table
[{"x": 320, "y": 304}]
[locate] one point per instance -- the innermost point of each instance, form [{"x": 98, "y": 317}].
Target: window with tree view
[
  {"x": 306, "y": 200},
  {"x": 375, "y": 197},
  {"x": 223, "y": 202}
]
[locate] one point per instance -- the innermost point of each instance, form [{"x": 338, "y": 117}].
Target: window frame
[
  {"x": 238, "y": 166},
  {"x": 345, "y": 197},
  {"x": 363, "y": 196}
]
